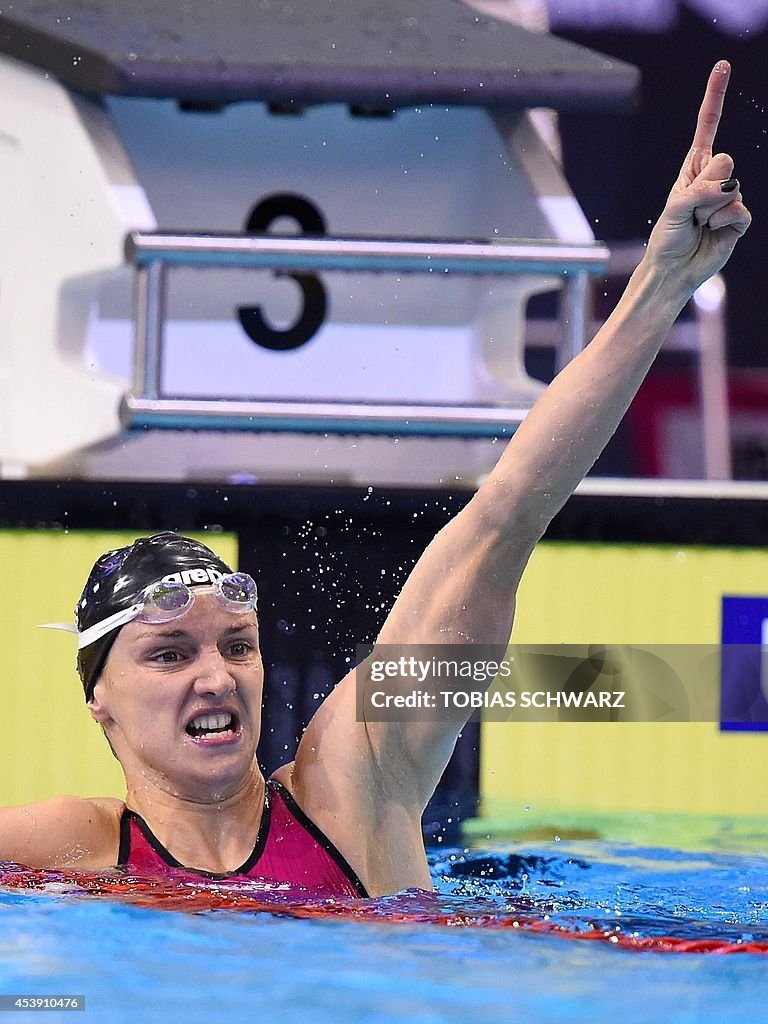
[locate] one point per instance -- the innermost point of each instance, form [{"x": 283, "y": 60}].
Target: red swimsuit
[{"x": 289, "y": 848}]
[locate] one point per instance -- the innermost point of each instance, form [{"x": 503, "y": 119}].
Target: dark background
[{"x": 621, "y": 166}]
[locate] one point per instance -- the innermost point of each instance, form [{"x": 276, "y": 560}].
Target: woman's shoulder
[
  {"x": 284, "y": 776},
  {"x": 63, "y": 831},
  {"x": 89, "y": 813}
]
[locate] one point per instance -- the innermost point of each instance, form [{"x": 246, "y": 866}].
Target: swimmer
[{"x": 168, "y": 635}]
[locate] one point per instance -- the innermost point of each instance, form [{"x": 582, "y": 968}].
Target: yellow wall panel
[
  {"x": 571, "y": 593},
  {"x": 50, "y": 744},
  {"x": 626, "y": 594}
]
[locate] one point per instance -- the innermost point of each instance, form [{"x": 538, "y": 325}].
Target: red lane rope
[{"x": 421, "y": 908}]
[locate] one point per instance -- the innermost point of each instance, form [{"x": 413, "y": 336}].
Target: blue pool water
[{"x": 143, "y": 965}]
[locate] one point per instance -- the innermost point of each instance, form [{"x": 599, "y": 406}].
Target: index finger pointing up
[{"x": 712, "y": 106}]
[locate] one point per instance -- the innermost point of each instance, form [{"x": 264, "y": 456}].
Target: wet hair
[{"x": 118, "y": 579}]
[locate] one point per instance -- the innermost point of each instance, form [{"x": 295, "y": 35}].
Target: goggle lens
[
  {"x": 165, "y": 600},
  {"x": 237, "y": 588}
]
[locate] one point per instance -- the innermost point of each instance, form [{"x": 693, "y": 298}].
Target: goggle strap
[
  {"x": 100, "y": 629},
  {"x": 125, "y": 615}
]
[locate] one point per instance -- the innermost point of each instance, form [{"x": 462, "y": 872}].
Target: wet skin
[{"x": 157, "y": 679}]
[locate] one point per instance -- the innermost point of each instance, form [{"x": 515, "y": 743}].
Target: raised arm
[{"x": 463, "y": 588}]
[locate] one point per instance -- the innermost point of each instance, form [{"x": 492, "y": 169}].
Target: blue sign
[{"x": 744, "y": 665}]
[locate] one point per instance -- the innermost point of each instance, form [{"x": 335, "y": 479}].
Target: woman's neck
[{"x": 209, "y": 832}]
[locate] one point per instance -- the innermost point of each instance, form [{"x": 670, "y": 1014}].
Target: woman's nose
[{"x": 214, "y": 675}]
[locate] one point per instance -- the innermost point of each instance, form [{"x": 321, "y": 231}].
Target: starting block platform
[{"x": 374, "y": 54}]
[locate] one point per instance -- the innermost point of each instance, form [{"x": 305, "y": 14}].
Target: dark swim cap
[{"x": 119, "y": 578}]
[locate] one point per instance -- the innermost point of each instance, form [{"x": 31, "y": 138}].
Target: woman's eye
[
  {"x": 165, "y": 657},
  {"x": 240, "y": 649}
]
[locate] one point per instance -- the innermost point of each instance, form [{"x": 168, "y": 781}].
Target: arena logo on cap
[{"x": 190, "y": 576}]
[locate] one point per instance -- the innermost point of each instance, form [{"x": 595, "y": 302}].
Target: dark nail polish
[{"x": 730, "y": 185}]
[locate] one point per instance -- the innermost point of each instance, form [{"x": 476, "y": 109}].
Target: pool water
[{"x": 454, "y": 957}]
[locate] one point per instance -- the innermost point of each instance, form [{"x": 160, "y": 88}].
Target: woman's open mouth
[{"x": 214, "y": 727}]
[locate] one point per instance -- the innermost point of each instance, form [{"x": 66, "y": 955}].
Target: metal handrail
[
  {"x": 154, "y": 252},
  {"x": 365, "y": 254},
  {"x": 404, "y": 418}
]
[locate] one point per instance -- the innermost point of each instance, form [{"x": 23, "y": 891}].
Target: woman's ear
[{"x": 98, "y": 704}]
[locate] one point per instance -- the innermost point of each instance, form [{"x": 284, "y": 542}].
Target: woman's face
[{"x": 180, "y": 701}]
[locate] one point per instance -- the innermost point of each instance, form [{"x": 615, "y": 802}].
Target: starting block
[{"x": 284, "y": 218}]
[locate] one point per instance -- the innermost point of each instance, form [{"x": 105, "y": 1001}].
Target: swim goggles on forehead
[{"x": 168, "y": 599}]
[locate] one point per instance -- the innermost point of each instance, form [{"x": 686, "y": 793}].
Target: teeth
[{"x": 205, "y": 722}]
